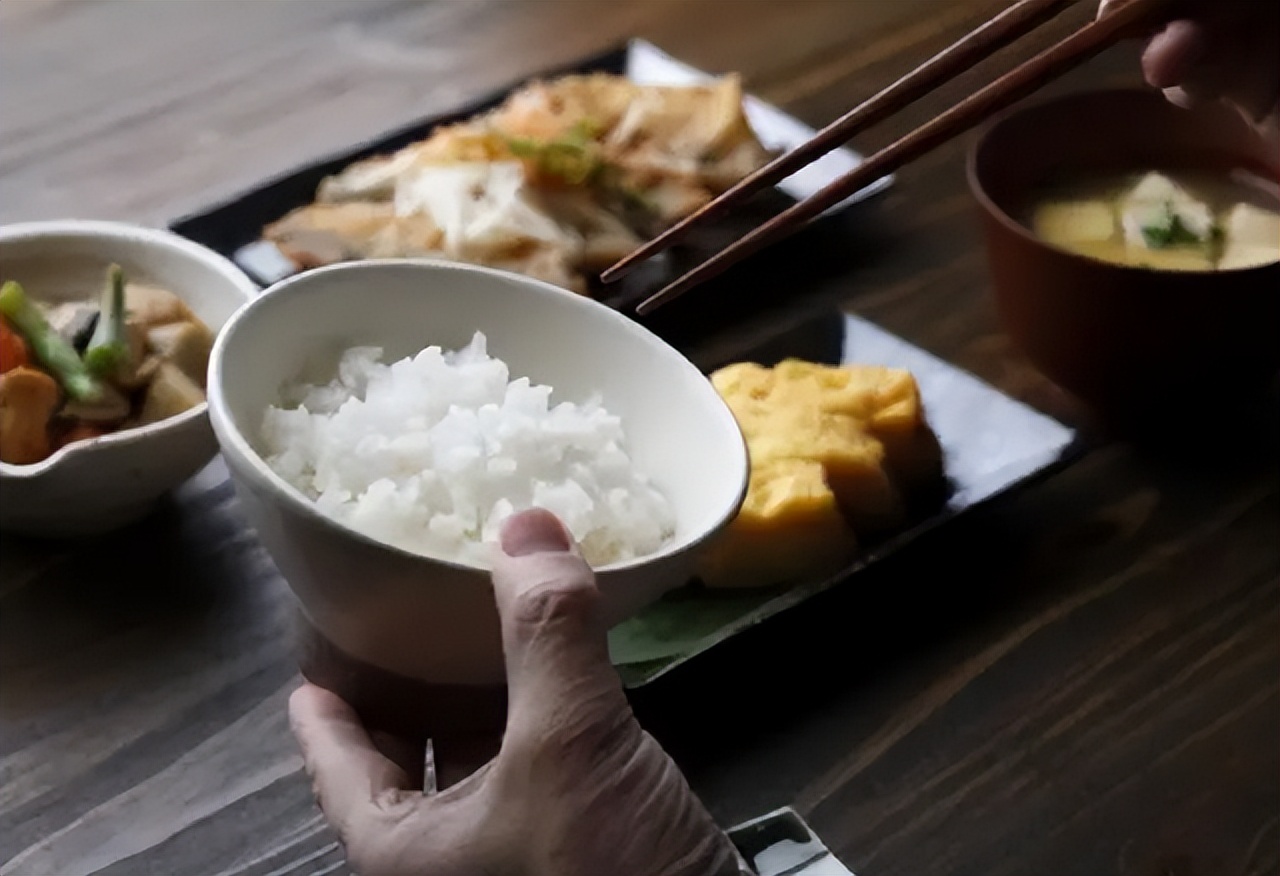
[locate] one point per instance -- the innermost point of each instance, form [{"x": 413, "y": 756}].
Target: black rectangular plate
[{"x": 991, "y": 445}]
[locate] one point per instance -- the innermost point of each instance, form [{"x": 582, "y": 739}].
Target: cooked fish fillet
[
  {"x": 483, "y": 209},
  {"x": 605, "y": 237},
  {"x": 565, "y": 176},
  {"x": 548, "y": 110},
  {"x": 541, "y": 263},
  {"x": 323, "y": 234},
  {"x": 375, "y": 179},
  {"x": 667, "y": 199},
  {"x": 700, "y": 133}
]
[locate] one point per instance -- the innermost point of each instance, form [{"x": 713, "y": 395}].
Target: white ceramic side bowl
[
  {"x": 92, "y": 487},
  {"x": 428, "y": 619}
]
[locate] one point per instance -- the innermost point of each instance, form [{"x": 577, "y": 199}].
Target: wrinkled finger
[
  {"x": 353, "y": 781},
  {"x": 555, "y": 641}
]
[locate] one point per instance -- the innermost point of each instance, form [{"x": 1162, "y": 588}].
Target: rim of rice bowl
[{"x": 228, "y": 432}]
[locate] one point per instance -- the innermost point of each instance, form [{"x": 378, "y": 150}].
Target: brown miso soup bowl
[{"x": 1138, "y": 345}]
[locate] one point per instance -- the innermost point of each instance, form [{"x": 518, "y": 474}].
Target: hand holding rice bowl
[{"x": 433, "y": 618}]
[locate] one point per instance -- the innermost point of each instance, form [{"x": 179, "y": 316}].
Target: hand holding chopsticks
[{"x": 1018, "y": 20}]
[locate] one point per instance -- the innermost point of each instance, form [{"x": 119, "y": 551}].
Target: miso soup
[{"x": 1177, "y": 221}]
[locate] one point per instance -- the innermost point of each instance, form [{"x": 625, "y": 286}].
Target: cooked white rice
[{"x": 432, "y": 454}]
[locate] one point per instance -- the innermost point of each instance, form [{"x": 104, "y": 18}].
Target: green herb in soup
[{"x": 1192, "y": 221}]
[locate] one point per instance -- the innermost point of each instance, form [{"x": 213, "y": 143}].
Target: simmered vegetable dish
[{"x": 79, "y": 370}]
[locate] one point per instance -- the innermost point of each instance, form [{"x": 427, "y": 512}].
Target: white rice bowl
[{"x": 434, "y": 452}]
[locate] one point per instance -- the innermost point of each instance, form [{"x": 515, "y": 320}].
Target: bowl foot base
[{"x": 464, "y": 722}]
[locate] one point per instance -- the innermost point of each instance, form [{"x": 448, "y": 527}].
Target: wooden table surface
[{"x": 1083, "y": 678}]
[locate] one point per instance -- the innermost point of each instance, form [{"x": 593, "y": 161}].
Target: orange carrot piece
[{"x": 13, "y": 349}]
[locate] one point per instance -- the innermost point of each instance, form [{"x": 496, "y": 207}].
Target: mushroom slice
[
  {"x": 75, "y": 321},
  {"x": 110, "y": 407}
]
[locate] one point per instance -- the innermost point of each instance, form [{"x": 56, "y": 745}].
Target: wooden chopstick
[
  {"x": 1067, "y": 54},
  {"x": 1019, "y": 19}
]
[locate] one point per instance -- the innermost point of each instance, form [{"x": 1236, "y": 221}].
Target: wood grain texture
[{"x": 1081, "y": 680}]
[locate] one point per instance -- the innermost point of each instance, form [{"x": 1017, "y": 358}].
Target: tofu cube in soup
[
  {"x": 1252, "y": 237},
  {"x": 1076, "y": 221},
  {"x": 1158, "y": 213}
]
